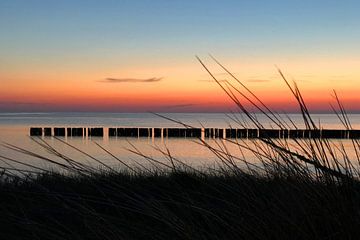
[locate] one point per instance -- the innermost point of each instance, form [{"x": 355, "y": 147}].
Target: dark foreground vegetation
[
  {"x": 298, "y": 189},
  {"x": 179, "y": 205}
]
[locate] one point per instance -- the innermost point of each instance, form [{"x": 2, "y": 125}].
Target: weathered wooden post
[
  {"x": 206, "y": 132},
  {"x": 354, "y": 134},
  {"x": 230, "y": 133},
  {"x": 95, "y": 132},
  {"x": 59, "y": 132},
  {"x": 328, "y": 133},
  {"x": 112, "y": 132},
  {"x": 157, "y": 132},
  {"x": 284, "y": 133},
  {"x": 77, "y": 132},
  {"x": 47, "y": 132},
  {"x": 269, "y": 133},
  {"x": 193, "y": 132},
  {"x": 35, "y": 131},
  {"x": 252, "y": 133},
  {"x": 241, "y": 133},
  {"x": 144, "y": 132}
]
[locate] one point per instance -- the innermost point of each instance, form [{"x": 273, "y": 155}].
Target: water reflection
[{"x": 190, "y": 151}]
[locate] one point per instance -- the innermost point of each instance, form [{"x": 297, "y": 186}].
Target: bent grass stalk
[{"x": 299, "y": 188}]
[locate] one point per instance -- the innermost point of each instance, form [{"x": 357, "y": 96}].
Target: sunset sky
[{"x": 136, "y": 56}]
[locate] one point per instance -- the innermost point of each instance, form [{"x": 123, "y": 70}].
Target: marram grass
[{"x": 301, "y": 192}]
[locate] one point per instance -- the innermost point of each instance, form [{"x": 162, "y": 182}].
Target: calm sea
[{"x": 14, "y": 129}]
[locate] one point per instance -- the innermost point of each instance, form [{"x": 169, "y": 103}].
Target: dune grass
[
  {"x": 178, "y": 205},
  {"x": 299, "y": 189}
]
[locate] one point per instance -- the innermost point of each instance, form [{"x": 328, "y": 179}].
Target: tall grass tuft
[{"x": 298, "y": 189}]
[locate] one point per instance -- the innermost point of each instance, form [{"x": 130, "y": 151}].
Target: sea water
[{"x": 14, "y": 130}]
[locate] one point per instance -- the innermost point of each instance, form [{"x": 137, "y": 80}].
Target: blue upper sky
[
  {"x": 55, "y": 51},
  {"x": 163, "y": 28}
]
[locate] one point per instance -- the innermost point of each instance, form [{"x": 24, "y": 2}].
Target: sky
[{"x": 139, "y": 56}]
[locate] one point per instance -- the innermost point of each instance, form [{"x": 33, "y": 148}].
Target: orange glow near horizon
[
  {"x": 183, "y": 86},
  {"x": 136, "y": 56}
]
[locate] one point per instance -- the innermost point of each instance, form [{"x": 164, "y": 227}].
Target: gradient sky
[{"x": 134, "y": 56}]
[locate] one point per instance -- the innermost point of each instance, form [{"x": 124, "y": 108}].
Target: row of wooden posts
[{"x": 195, "y": 132}]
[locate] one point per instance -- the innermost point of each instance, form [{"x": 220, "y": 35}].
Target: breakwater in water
[{"x": 193, "y": 132}]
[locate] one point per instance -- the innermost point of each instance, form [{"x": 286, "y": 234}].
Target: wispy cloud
[
  {"x": 180, "y": 105},
  {"x": 17, "y": 103},
  {"x": 131, "y": 80}
]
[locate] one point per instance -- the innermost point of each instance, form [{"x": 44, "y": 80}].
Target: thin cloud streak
[
  {"x": 18, "y": 103},
  {"x": 180, "y": 105},
  {"x": 131, "y": 80}
]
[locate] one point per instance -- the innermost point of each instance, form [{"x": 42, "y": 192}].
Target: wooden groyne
[{"x": 194, "y": 132}]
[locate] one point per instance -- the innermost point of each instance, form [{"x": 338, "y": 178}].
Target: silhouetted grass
[
  {"x": 178, "y": 205},
  {"x": 298, "y": 189}
]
